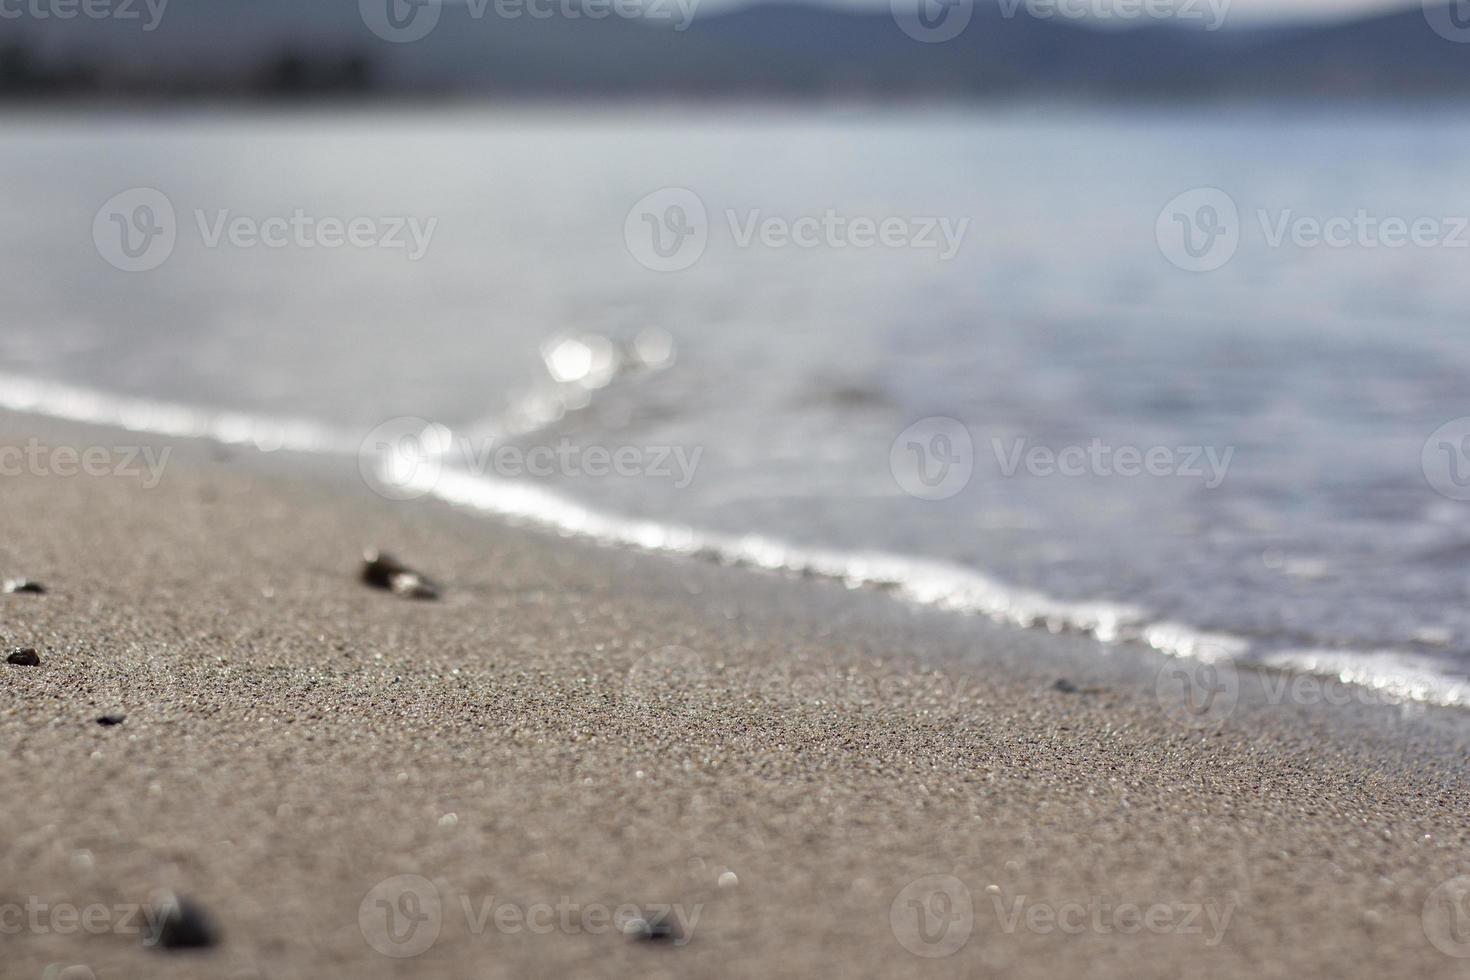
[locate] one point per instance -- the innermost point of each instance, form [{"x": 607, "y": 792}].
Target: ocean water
[{"x": 1049, "y": 417}]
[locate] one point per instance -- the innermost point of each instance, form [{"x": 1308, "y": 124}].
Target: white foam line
[
  {"x": 1389, "y": 674},
  {"x": 932, "y": 583},
  {"x": 941, "y": 585},
  {"x": 75, "y": 404}
]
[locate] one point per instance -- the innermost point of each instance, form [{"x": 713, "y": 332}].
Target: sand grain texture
[{"x": 293, "y": 738}]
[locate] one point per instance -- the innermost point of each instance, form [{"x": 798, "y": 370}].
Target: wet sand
[{"x": 819, "y": 783}]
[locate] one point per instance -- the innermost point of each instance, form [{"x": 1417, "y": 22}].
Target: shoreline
[
  {"x": 1340, "y": 676},
  {"x": 293, "y": 739}
]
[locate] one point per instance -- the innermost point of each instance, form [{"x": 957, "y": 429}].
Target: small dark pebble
[
  {"x": 659, "y": 930},
  {"x": 1067, "y": 687},
  {"x": 24, "y": 585},
  {"x": 180, "y": 923},
  {"x": 24, "y": 658},
  {"x": 107, "y": 721},
  {"x": 383, "y": 571}
]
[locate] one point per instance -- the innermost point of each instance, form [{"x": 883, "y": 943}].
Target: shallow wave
[
  {"x": 74, "y": 404},
  {"x": 1389, "y": 674},
  {"x": 1394, "y": 675},
  {"x": 951, "y": 587}
]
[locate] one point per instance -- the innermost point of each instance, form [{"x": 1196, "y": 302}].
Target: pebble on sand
[
  {"x": 181, "y": 924},
  {"x": 24, "y": 585},
  {"x": 107, "y": 721},
  {"x": 644, "y": 931},
  {"x": 1067, "y": 687},
  {"x": 383, "y": 571},
  {"x": 24, "y": 658}
]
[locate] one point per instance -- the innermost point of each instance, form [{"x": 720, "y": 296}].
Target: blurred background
[
  {"x": 852, "y": 263},
  {"x": 727, "y": 49}
]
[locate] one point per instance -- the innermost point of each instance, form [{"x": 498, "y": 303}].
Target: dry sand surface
[{"x": 819, "y": 783}]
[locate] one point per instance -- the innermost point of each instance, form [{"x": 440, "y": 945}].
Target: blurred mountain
[{"x": 263, "y": 48}]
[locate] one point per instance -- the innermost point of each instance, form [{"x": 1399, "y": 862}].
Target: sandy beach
[{"x": 800, "y": 780}]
